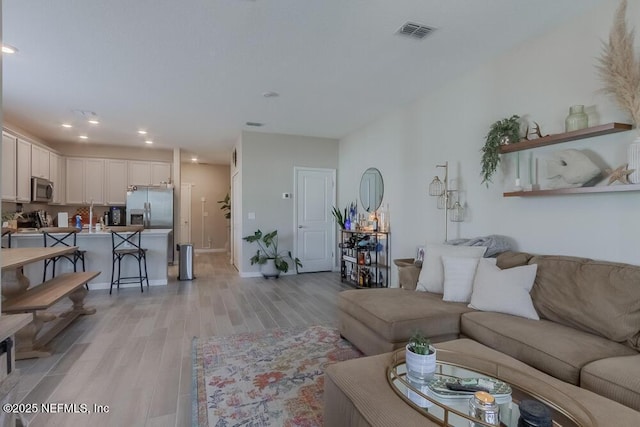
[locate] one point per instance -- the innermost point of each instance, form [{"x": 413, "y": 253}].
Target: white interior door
[
  {"x": 236, "y": 221},
  {"x": 185, "y": 213},
  {"x": 314, "y": 230}
]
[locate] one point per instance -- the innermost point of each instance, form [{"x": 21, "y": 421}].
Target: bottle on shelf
[
  {"x": 384, "y": 219},
  {"x": 375, "y": 221},
  {"x": 367, "y": 258}
]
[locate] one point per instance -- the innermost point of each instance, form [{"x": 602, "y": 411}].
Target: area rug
[{"x": 268, "y": 378}]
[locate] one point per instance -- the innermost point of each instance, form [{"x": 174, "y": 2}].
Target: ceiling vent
[
  {"x": 255, "y": 124},
  {"x": 416, "y": 31}
]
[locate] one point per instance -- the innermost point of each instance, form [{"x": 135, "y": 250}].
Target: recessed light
[
  {"x": 194, "y": 159},
  {"x": 148, "y": 141},
  {"x": 66, "y": 125},
  {"x": 83, "y": 137},
  {"x": 94, "y": 121},
  {"x": 8, "y": 49},
  {"x": 142, "y": 132},
  {"x": 271, "y": 94}
]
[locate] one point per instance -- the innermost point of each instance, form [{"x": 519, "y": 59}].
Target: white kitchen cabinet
[
  {"x": 23, "y": 171},
  {"x": 62, "y": 170},
  {"x": 40, "y": 162},
  {"x": 148, "y": 173},
  {"x": 75, "y": 181},
  {"x": 8, "y": 167},
  {"x": 85, "y": 181},
  {"x": 139, "y": 172},
  {"x": 160, "y": 173},
  {"x": 57, "y": 176},
  {"x": 94, "y": 181},
  {"x": 116, "y": 182}
]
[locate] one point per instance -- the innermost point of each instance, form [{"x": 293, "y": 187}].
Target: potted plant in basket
[
  {"x": 420, "y": 357},
  {"x": 271, "y": 261},
  {"x": 502, "y": 132}
]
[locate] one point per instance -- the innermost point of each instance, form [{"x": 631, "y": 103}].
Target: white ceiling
[{"x": 192, "y": 72}]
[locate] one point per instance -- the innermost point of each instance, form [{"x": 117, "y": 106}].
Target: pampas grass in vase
[{"x": 619, "y": 69}]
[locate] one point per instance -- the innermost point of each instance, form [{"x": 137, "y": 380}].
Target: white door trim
[
  {"x": 185, "y": 186},
  {"x": 236, "y": 220},
  {"x": 295, "y": 208}
]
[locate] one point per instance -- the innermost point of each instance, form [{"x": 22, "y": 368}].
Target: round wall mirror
[{"x": 371, "y": 189}]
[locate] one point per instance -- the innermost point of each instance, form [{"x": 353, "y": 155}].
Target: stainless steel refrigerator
[{"x": 152, "y": 207}]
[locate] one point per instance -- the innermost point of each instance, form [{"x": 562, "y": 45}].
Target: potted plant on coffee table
[
  {"x": 272, "y": 261},
  {"x": 420, "y": 357}
]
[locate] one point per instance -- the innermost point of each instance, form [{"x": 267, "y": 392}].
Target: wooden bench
[{"x": 41, "y": 297}]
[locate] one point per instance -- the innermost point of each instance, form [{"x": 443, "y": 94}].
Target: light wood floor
[{"x": 134, "y": 354}]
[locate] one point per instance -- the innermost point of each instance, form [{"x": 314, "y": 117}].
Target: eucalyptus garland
[{"x": 505, "y": 128}]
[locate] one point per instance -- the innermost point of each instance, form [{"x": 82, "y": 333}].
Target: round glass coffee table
[{"x": 449, "y": 408}]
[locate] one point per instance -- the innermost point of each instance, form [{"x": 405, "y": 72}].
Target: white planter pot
[
  {"x": 269, "y": 269},
  {"x": 420, "y": 366}
]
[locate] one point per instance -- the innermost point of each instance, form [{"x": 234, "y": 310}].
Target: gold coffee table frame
[{"x": 567, "y": 413}]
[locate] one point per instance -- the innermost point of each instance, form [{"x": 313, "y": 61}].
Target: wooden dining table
[{"x": 20, "y": 296}]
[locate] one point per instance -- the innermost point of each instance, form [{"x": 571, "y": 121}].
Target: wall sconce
[{"x": 447, "y": 199}]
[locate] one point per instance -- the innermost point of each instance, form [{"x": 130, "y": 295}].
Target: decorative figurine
[{"x": 619, "y": 174}]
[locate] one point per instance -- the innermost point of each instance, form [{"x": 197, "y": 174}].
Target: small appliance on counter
[{"x": 117, "y": 216}]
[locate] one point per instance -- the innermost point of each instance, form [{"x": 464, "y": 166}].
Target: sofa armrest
[{"x": 408, "y": 273}]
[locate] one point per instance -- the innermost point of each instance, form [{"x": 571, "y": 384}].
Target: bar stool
[
  {"x": 126, "y": 241},
  {"x": 6, "y": 231},
  {"x": 68, "y": 239}
]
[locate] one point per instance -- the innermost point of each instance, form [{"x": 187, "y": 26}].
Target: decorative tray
[{"x": 500, "y": 390}]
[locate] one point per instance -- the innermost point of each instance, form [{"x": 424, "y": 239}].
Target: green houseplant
[
  {"x": 225, "y": 206},
  {"x": 502, "y": 132},
  {"x": 420, "y": 357},
  {"x": 339, "y": 216},
  {"x": 272, "y": 261}
]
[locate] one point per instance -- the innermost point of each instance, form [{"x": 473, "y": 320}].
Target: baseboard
[
  {"x": 251, "y": 274},
  {"x": 106, "y": 285},
  {"x": 209, "y": 250},
  {"x": 258, "y": 274}
]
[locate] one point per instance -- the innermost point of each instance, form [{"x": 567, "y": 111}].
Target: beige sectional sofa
[{"x": 588, "y": 334}]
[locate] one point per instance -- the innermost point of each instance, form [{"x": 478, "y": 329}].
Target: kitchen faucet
[{"x": 90, "y": 215}]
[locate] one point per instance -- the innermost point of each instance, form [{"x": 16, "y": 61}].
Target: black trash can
[{"x": 185, "y": 265}]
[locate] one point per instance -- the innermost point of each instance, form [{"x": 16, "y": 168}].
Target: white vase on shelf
[{"x": 633, "y": 158}]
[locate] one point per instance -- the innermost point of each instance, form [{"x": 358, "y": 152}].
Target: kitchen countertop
[{"x": 85, "y": 232}]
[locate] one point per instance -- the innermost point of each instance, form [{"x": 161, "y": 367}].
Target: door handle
[{"x": 300, "y": 226}]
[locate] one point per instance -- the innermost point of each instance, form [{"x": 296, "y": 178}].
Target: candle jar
[{"x": 577, "y": 119}]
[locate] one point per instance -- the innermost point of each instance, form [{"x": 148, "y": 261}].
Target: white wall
[
  {"x": 540, "y": 79},
  {"x": 267, "y": 162},
  {"x": 212, "y": 183}
]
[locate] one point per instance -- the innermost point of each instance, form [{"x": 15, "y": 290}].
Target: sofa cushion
[
  {"x": 556, "y": 349},
  {"x": 396, "y": 313},
  {"x": 504, "y": 291},
  {"x": 617, "y": 378},
  {"x": 458, "y": 278},
  {"x": 431, "y": 277},
  {"x": 595, "y": 296},
  {"x": 512, "y": 259}
]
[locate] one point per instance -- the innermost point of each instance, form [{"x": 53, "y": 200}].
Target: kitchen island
[{"x": 98, "y": 256}]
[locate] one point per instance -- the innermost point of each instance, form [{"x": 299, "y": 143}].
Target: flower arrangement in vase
[{"x": 618, "y": 68}]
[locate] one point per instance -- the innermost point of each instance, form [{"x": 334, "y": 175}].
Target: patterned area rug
[{"x": 269, "y": 378}]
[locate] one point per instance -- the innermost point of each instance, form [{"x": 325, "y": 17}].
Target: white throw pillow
[
  {"x": 504, "y": 291},
  {"x": 431, "y": 277},
  {"x": 458, "y": 278}
]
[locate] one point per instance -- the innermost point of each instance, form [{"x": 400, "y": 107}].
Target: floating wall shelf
[
  {"x": 566, "y": 137},
  {"x": 576, "y": 190}
]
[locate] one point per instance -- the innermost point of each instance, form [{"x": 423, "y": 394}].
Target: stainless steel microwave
[{"x": 41, "y": 190}]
